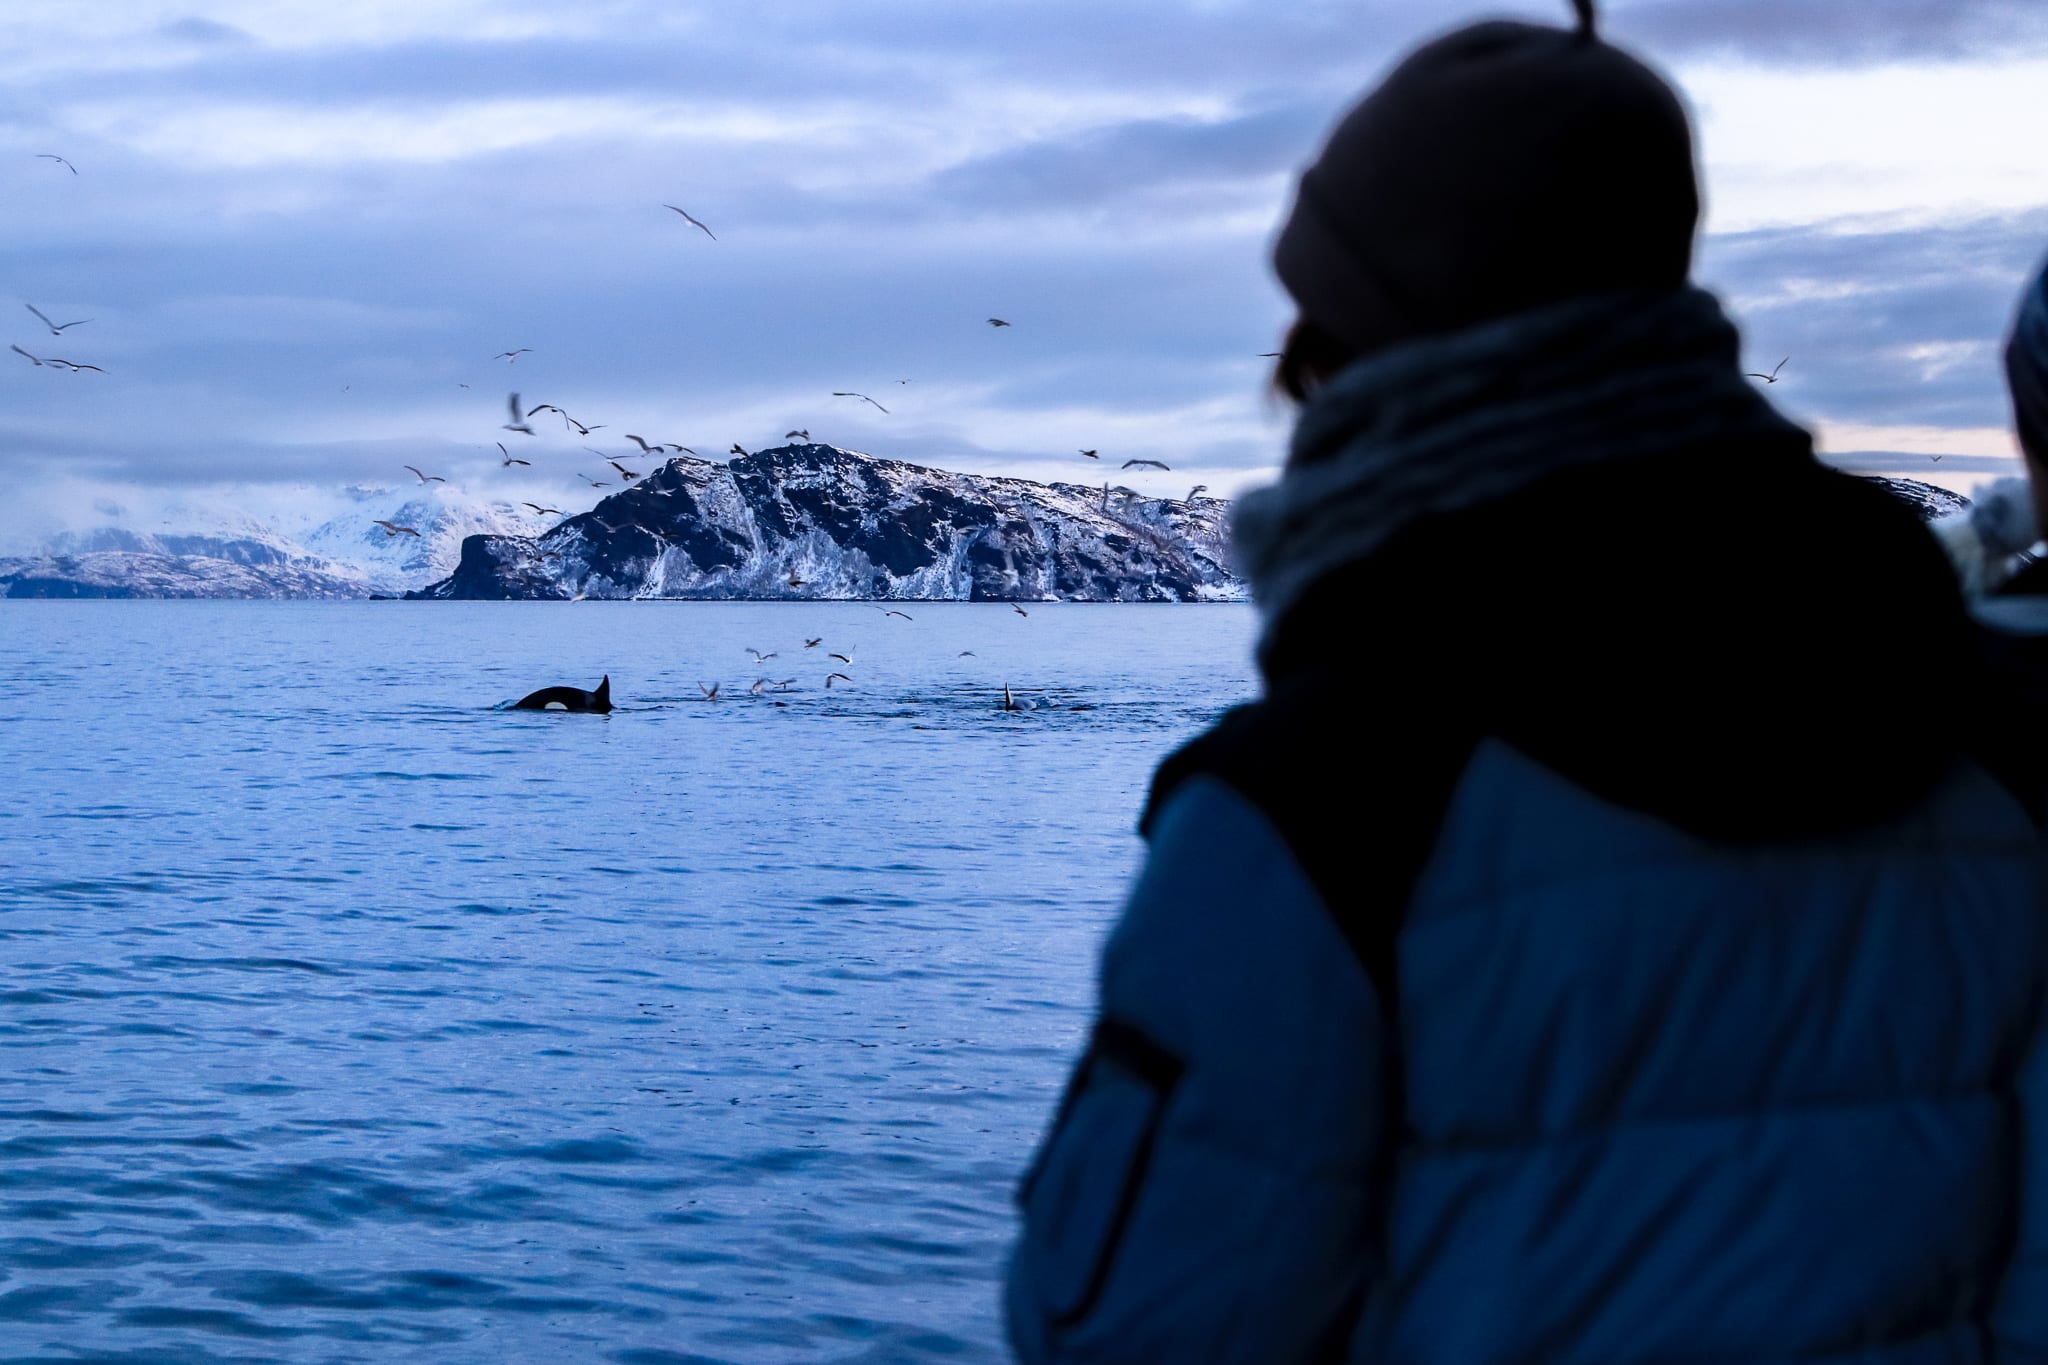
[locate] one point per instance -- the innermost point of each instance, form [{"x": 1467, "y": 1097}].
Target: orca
[{"x": 568, "y": 698}]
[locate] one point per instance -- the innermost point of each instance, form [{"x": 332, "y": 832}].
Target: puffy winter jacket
[{"x": 1579, "y": 965}]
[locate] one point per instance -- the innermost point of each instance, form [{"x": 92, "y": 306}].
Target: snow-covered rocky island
[
  {"x": 816, "y": 521},
  {"x": 797, "y": 521}
]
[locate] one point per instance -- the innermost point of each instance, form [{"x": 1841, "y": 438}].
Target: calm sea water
[{"x": 346, "y": 1018}]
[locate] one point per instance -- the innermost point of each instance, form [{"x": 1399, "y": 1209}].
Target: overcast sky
[{"x": 300, "y": 229}]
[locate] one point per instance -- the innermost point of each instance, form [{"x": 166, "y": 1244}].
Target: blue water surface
[{"x": 344, "y": 1017}]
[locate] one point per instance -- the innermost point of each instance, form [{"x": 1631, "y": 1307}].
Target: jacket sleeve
[
  {"x": 2020, "y": 1320},
  {"x": 1211, "y": 1186}
]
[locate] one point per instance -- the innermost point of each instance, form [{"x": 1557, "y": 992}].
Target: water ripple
[{"x": 348, "y": 1019}]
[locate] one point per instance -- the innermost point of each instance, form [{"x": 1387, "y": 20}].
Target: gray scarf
[{"x": 1451, "y": 422}]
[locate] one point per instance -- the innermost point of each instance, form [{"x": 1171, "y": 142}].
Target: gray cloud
[
  {"x": 1905, "y": 462},
  {"x": 1834, "y": 33},
  {"x": 206, "y": 31},
  {"x": 286, "y": 306},
  {"x": 1885, "y": 325},
  {"x": 1107, "y": 164}
]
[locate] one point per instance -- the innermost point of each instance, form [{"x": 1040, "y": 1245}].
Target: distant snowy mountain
[
  {"x": 132, "y": 573},
  {"x": 391, "y": 564},
  {"x": 816, "y": 521},
  {"x": 345, "y": 556}
]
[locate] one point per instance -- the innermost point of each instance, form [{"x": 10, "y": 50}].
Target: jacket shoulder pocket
[{"x": 1079, "y": 1195}]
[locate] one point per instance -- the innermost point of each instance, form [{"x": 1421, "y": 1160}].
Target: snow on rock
[
  {"x": 1929, "y": 500},
  {"x": 391, "y": 564},
  {"x": 848, "y": 525}
]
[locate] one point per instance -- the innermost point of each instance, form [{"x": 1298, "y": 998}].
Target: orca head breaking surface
[{"x": 568, "y": 698}]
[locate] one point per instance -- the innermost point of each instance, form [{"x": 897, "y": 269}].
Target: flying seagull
[
  {"x": 517, "y": 423},
  {"x": 693, "y": 222},
  {"x": 425, "y": 478},
  {"x": 846, "y": 659},
  {"x": 759, "y": 657},
  {"x": 1091, "y": 454},
  {"x": 796, "y": 435},
  {"x": 969, "y": 654},
  {"x": 840, "y": 676},
  {"x": 71, "y": 365},
  {"x": 904, "y": 614},
  {"x": 624, "y": 473},
  {"x": 512, "y": 357},
  {"x": 681, "y": 450},
  {"x": 56, "y": 328},
  {"x": 813, "y": 644},
  {"x": 758, "y": 686},
  {"x": 735, "y": 449},
  {"x": 544, "y": 511},
  {"x": 796, "y": 582},
  {"x": 509, "y": 460},
  {"x": 392, "y": 528},
  {"x": 1197, "y": 491},
  {"x": 997, "y": 322},
  {"x": 838, "y": 393},
  {"x": 1772, "y": 377},
  {"x": 645, "y": 449},
  {"x": 37, "y": 360},
  {"x": 567, "y": 420},
  {"x": 711, "y": 692},
  {"x": 594, "y": 483},
  {"x": 1019, "y": 610},
  {"x": 52, "y": 156},
  {"x": 1147, "y": 464}
]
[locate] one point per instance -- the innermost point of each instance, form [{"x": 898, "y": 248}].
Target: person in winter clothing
[
  {"x": 1615, "y": 934},
  {"x": 2026, "y": 373},
  {"x": 2016, "y": 614}
]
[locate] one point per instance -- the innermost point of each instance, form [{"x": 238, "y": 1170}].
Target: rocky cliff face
[{"x": 815, "y": 521}]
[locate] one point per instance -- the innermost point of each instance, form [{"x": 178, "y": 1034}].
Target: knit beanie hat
[
  {"x": 2026, "y": 367},
  {"x": 1499, "y": 168}
]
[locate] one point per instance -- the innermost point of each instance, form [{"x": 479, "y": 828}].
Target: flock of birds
[
  {"x": 576, "y": 699},
  {"x": 764, "y": 685},
  {"x": 520, "y": 418},
  {"x": 520, "y": 422}
]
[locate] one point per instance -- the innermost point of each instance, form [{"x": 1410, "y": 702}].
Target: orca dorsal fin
[{"x": 604, "y": 690}]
